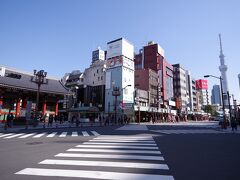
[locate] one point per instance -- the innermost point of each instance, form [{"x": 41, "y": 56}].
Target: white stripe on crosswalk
[
  {"x": 105, "y": 164},
  {"x": 112, "y": 140},
  {"x": 113, "y": 147},
  {"x": 113, "y": 156},
  {"x": 125, "y": 138},
  {"x": 85, "y": 133},
  {"x": 95, "y": 133},
  {"x": 13, "y": 136},
  {"x": 120, "y": 144},
  {"x": 91, "y": 174},
  {"x": 74, "y": 134},
  {"x": 52, "y": 134},
  {"x": 27, "y": 135},
  {"x": 4, "y": 135},
  {"x": 114, "y": 151},
  {"x": 39, "y": 135},
  {"x": 63, "y": 134}
]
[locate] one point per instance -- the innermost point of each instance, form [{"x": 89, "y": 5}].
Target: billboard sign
[{"x": 202, "y": 84}]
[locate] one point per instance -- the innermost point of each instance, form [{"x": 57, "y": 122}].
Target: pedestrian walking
[{"x": 234, "y": 124}]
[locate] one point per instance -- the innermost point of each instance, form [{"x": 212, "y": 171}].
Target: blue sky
[{"x": 59, "y": 35}]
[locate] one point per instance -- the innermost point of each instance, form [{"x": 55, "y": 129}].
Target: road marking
[
  {"x": 124, "y": 138},
  {"x": 52, "y": 134},
  {"x": 4, "y": 135},
  {"x": 15, "y": 135},
  {"x": 74, "y": 134},
  {"x": 39, "y": 135},
  {"x": 113, "y": 147},
  {"x": 63, "y": 134},
  {"x": 95, "y": 133},
  {"x": 105, "y": 164},
  {"x": 27, "y": 135},
  {"x": 114, "y": 151},
  {"x": 113, "y": 143},
  {"x": 85, "y": 133},
  {"x": 91, "y": 174},
  {"x": 113, "y": 156},
  {"x": 116, "y": 140}
]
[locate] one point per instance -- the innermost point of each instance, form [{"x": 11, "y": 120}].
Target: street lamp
[
  {"x": 220, "y": 78},
  {"x": 38, "y": 78},
  {"x": 116, "y": 92}
]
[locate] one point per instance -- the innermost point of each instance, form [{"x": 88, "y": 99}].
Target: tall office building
[
  {"x": 223, "y": 69},
  {"x": 216, "y": 95},
  {"x": 202, "y": 88},
  {"x": 120, "y": 74}
]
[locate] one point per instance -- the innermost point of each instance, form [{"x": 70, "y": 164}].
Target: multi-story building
[
  {"x": 202, "y": 88},
  {"x": 216, "y": 95},
  {"x": 191, "y": 92},
  {"x": 120, "y": 78},
  {"x": 180, "y": 88},
  {"x": 152, "y": 57},
  {"x": 89, "y": 86}
]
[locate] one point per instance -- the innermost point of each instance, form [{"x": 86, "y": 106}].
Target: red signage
[{"x": 202, "y": 84}]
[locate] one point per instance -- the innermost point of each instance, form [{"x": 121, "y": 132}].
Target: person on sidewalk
[{"x": 234, "y": 123}]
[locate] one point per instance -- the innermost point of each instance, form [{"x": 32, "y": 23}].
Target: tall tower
[{"x": 223, "y": 70}]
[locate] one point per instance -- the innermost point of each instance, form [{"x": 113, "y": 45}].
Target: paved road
[{"x": 121, "y": 154}]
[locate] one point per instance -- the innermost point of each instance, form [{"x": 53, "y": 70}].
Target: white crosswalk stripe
[
  {"x": 92, "y": 174},
  {"x": 85, "y": 133},
  {"x": 127, "y": 143},
  {"x": 27, "y": 135},
  {"x": 95, "y": 133},
  {"x": 8, "y": 134},
  {"x": 74, "y": 134},
  {"x": 114, "y": 151},
  {"x": 105, "y": 164},
  {"x": 115, "y": 147},
  {"x": 134, "y": 155},
  {"x": 113, "y": 156},
  {"x": 52, "y": 134},
  {"x": 39, "y": 135},
  {"x": 64, "y": 134},
  {"x": 44, "y": 134},
  {"x": 112, "y": 140},
  {"x": 13, "y": 136}
]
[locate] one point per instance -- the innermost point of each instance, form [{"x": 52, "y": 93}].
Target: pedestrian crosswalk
[
  {"x": 106, "y": 157},
  {"x": 47, "y": 135},
  {"x": 190, "y": 131}
]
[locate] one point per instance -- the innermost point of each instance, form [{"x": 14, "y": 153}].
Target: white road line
[
  {"x": 52, "y": 134},
  {"x": 4, "y": 135},
  {"x": 123, "y": 138},
  {"x": 74, "y": 134},
  {"x": 105, "y": 164},
  {"x": 85, "y": 133},
  {"x": 91, "y": 174},
  {"x": 27, "y": 135},
  {"x": 112, "y": 140},
  {"x": 95, "y": 133},
  {"x": 13, "y": 136},
  {"x": 114, "y": 147},
  {"x": 113, "y": 143},
  {"x": 113, "y": 156},
  {"x": 39, "y": 135},
  {"x": 63, "y": 134},
  {"x": 114, "y": 151}
]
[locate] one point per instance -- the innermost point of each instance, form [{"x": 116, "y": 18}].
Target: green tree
[{"x": 209, "y": 109}]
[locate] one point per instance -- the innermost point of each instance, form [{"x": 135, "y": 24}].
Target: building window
[
  {"x": 97, "y": 71},
  {"x": 94, "y": 75},
  {"x": 98, "y": 78},
  {"x": 101, "y": 77},
  {"x": 93, "y": 82}
]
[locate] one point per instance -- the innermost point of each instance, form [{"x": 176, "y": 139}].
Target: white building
[{"x": 120, "y": 74}]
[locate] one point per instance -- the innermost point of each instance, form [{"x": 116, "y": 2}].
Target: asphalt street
[{"x": 187, "y": 152}]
